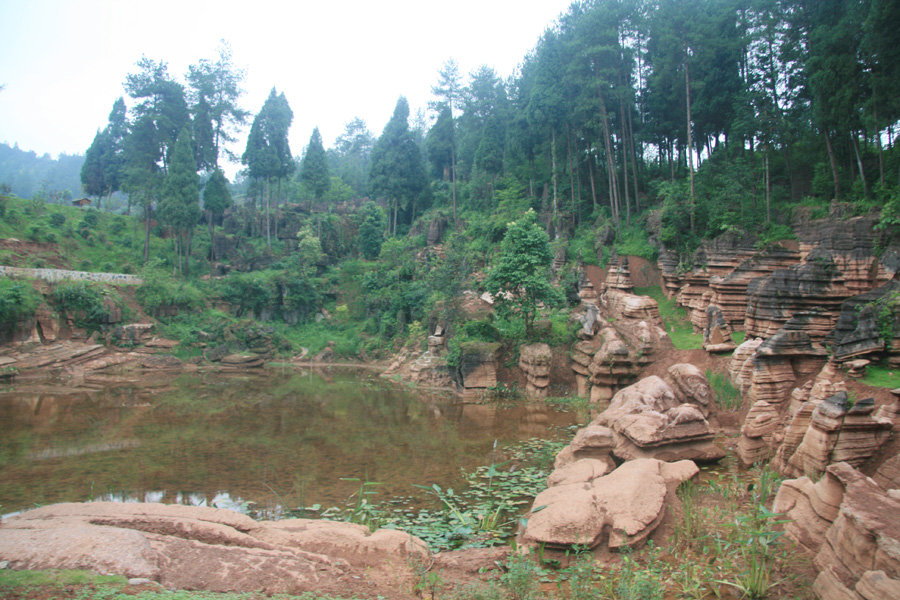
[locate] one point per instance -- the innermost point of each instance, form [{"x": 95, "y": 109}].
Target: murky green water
[{"x": 281, "y": 439}]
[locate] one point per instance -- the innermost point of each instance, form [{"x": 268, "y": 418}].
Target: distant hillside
[{"x": 28, "y": 174}]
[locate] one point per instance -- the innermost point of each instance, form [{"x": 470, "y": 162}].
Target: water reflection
[{"x": 282, "y": 439}]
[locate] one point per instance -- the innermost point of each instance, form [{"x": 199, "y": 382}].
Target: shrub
[
  {"x": 57, "y": 220},
  {"x": 82, "y": 301},
  {"x": 159, "y": 290},
  {"x": 18, "y": 300}
]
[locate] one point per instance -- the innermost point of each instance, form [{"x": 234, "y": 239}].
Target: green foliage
[
  {"x": 18, "y": 300},
  {"x": 216, "y": 196},
  {"x": 397, "y": 171},
  {"x": 314, "y": 166},
  {"x": 160, "y": 290},
  {"x": 84, "y": 302},
  {"x": 633, "y": 241},
  {"x": 371, "y": 230},
  {"x": 728, "y": 397},
  {"x": 519, "y": 278},
  {"x": 879, "y": 375},
  {"x": 675, "y": 319}
]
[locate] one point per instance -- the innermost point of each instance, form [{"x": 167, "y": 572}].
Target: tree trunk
[
  {"x": 637, "y": 202},
  {"x": 553, "y": 179},
  {"x": 690, "y": 143},
  {"x": 610, "y": 161},
  {"x": 593, "y": 186},
  {"x": 571, "y": 168},
  {"x": 768, "y": 191},
  {"x": 834, "y": 169},
  {"x": 212, "y": 241},
  {"x": 453, "y": 173},
  {"x": 862, "y": 171},
  {"x": 625, "y": 164},
  {"x": 148, "y": 215},
  {"x": 268, "y": 223}
]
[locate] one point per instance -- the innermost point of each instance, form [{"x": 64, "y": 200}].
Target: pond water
[{"x": 282, "y": 439}]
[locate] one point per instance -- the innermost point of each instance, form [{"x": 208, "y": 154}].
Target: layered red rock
[
  {"x": 664, "y": 419},
  {"x": 838, "y": 432},
  {"x": 778, "y": 362},
  {"x": 619, "y": 277},
  {"x": 849, "y": 524},
  {"x": 860, "y": 328},
  {"x": 760, "y": 434},
  {"x": 814, "y": 286},
  {"x": 534, "y": 360},
  {"x": 477, "y": 369}
]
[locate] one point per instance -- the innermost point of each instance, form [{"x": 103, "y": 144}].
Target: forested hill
[
  {"x": 28, "y": 174},
  {"x": 633, "y": 125}
]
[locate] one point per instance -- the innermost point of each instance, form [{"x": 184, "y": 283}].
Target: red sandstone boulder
[{"x": 616, "y": 511}]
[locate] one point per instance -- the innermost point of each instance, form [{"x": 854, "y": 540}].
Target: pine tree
[
  {"x": 216, "y": 198},
  {"x": 397, "y": 172},
  {"x": 180, "y": 206},
  {"x": 314, "y": 167}
]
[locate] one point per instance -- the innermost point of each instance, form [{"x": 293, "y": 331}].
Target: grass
[
  {"x": 84, "y": 585},
  {"x": 727, "y": 396},
  {"x": 880, "y": 376},
  {"x": 675, "y": 319}
]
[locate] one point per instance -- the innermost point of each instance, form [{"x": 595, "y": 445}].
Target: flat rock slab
[{"x": 210, "y": 549}]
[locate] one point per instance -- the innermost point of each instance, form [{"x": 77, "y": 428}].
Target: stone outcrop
[
  {"x": 848, "y": 523},
  {"x": 837, "y": 432},
  {"x": 620, "y": 333},
  {"x": 858, "y": 331},
  {"x": 760, "y": 289},
  {"x": 761, "y": 434},
  {"x": 614, "y": 511},
  {"x": 814, "y": 286},
  {"x": 594, "y": 442},
  {"x": 619, "y": 277},
  {"x": 770, "y": 372},
  {"x": 663, "y": 419},
  {"x": 534, "y": 360},
  {"x": 477, "y": 369},
  {"x": 717, "y": 332},
  {"x": 209, "y": 549}
]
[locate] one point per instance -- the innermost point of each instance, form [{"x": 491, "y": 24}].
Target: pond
[{"x": 281, "y": 439}]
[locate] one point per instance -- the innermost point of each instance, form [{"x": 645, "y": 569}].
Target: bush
[
  {"x": 160, "y": 290},
  {"x": 82, "y": 301},
  {"x": 57, "y": 220},
  {"x": 18, "y": 300}
]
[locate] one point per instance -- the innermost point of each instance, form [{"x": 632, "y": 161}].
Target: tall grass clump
[{"x": 727, "y": 396}]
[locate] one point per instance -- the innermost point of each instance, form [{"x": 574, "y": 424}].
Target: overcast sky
[{"x": 64, "y": 61}]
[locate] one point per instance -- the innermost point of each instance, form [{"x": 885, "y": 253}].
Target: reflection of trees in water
[{"x": 280, "y": 438}]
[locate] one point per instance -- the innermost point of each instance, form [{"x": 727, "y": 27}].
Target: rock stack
[
  {"x": 534, "y": 360},
  {"x": 836, "y": 432}
]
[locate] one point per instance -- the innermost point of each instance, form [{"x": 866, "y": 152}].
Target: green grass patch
[
  {"x": 727, "y": 396},
  {"x": 881, "y": 376},
  {"x": 675, "y": 318},
  {"x": 738, "y": 337},
  {"x": 84, "y": 585}
]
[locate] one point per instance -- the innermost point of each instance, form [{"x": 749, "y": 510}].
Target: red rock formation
[
  {"x": 534, "y": 360},
  {"x": 849, "y": 524},
  {"x": 211, "y": 549},
  {"x": 760, "y": 434},
  {"x": 836, "y": 433},
  {"x": 619, "y": 510}
]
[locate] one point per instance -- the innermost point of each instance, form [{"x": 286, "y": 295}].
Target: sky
[{"x": 64, "y": 61}]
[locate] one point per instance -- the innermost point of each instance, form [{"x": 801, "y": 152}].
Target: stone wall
[{"x": 55, "y": 275}]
